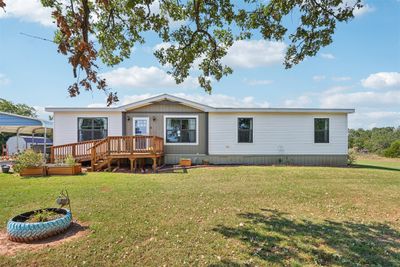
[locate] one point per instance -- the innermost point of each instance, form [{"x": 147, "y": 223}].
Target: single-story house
[{"x": 218, "y": 135}]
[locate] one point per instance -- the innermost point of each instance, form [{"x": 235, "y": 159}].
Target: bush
[
  {"x": 28, "y": 158},
  {"x": 351, "y": 156},
  {"x": 394, "y": 150},
  {"x": 70, "y": 161}
]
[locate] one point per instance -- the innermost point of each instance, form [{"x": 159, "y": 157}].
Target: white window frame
[
  {"x": 329, "y": 130},
  {"x": 178, "y": 116},
  {"x": 140, "y": 118},
  {"x": 237, "y": 130}
]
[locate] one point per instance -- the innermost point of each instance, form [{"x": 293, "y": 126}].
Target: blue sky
[{"x": 360, "y": 69}]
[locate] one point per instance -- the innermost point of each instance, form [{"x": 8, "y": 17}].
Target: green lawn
[{"x": 225, "y": 216}]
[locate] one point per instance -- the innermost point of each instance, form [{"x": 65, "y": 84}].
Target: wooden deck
[{"x": 101, "y": 153}]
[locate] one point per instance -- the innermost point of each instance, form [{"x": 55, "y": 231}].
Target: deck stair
[{"x": 102, "y": 152}]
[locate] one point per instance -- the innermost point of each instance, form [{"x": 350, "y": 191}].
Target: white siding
[
  {"x": 66, "y": 125},
  {"x": 276, "y": 134}
]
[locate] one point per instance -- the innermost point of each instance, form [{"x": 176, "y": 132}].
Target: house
[{"x": 185, "y": 129}]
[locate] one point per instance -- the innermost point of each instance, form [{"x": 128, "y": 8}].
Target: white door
[{"x": 141, "y": 127}]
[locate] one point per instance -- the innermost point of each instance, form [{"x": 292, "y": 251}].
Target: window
[
  {"x": 321, "y": 130},
  {"x": 181, "y": 130},
  {"x": 245, "y": 130},
  {"x": 92, "y": 128}
]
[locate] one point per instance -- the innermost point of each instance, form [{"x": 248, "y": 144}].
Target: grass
[
  {"x": 225, "y": 216},
  {"x": 377, "y": 162}
]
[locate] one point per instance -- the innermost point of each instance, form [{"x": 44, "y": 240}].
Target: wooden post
[
  {"x": 154, "y": 164},
  {"x": 73, "y": 150},
  {"x": 133, "y": 164},
  {"x": 52, "y": 154},
  {"x": 92, "y": 160}
]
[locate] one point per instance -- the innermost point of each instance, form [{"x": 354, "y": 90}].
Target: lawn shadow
[
  {"x": 276, "y": 238},
  {"x": 364, "y": 166}
]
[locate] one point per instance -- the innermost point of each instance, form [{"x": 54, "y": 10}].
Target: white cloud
[
  {"x": 255, "y": 53},
  {"x": 257, "y": 82},
  {"x": 4, "y": 80},
  {"x": 164, "y": 45},
  {"x": 337, "y": 89},
  {"x": 364, "y": 10},
  {"x": 301, "y": 101},
  {"x": 28, "y": 10},
  {"x": 374, "y": 119},
  {"x": 327, "y": 56},
  {"x": 144, "y": 77},
  {"x": 358, "y": 12},
  {"x": 341, "y": 79},
  {"x": 364, "y": 99},
  {"x": 319, "y": 77},
  {"x": 381, "y": 80},
  {"x": 214, "y": 100}
]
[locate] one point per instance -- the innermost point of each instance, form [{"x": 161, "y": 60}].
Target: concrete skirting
[{"x": 302, "y": 160}]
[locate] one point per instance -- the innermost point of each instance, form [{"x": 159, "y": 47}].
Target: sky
[{"x": 360, "y": 69}]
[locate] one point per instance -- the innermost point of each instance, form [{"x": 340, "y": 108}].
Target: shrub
[
  {"x": 394, "y": 150},
  {"x": 351, "y": 156},
  {"x": 70, "y": 160},
  {"x": 28, "y": 158}
]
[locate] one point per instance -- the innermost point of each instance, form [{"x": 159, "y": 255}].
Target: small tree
[
  {"x": 394, "y": 150},
  {"x": 351, "y": 156}
]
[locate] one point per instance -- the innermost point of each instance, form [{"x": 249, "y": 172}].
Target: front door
[{"x": 141, "y": 127}]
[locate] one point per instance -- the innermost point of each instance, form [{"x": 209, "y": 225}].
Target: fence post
[
  {"x": 73, "y": 150},
  {"x": 52, "y": 154}
]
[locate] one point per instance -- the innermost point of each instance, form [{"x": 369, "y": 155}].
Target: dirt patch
[{"x": 10, "y": 248}]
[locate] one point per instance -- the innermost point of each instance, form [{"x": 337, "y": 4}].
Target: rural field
[{"x": 221, "y": 216}]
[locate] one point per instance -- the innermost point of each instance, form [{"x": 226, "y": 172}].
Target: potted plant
[
  {"x": 68, "y": 167},
  {"x": 5, "y": 168},
  {"x": 30, "y": 163}
]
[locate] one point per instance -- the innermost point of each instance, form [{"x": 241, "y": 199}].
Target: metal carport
[{"x": 17, "y": 124}]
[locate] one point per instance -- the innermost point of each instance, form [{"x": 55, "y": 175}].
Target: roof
[
  {"x": 196, "y": 105},
  {"x": 13, "y": 123}
]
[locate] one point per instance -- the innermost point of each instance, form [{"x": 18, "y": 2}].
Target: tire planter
[{"x": 20, "y": 231}]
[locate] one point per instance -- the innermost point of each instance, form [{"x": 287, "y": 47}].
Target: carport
[{"x": 17, "y": 124}]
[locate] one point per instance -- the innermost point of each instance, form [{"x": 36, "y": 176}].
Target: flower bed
[
  {"x": 33, "y": 171},
  {"x": 64, "y": 169},
  {"x": 38, "y": 224}
]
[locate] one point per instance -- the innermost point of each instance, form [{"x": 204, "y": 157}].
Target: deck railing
[{"x": 95, "y": 150}]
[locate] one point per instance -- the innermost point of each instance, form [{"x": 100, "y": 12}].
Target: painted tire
[{"x": 20, "y": 231}]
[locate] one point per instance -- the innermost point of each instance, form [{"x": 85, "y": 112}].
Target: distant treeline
[{"x": 383, "y": 141}]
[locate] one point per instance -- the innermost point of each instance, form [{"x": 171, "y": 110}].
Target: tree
[
  {"x": 208, "y": 29},
  {"x": 19, "y": 109},
  {"x": 377, "y": 140},
  {"x": 394, "y": 150}
]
